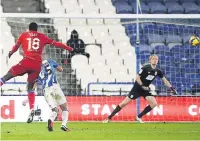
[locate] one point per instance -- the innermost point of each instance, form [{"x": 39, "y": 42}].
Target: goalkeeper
[{"x": 141, "y": 88}]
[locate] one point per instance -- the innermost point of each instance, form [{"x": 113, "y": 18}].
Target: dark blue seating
[
  {"x": 124, "y": 9},
  {"x": 145, "y": 8},
  {"x": 188, "y": 1},
  {"x": 168, "y": 29},
  {"x": 157, "y": 8},
  {"x": 150, "y": 28},
  {"x": 115, "y": 1},
  {"x": 191, "y": 8},
  {"x": 143, "y": 39},
  {"x": 145, "y": 49},
  {"x": 174, "y": 8}
]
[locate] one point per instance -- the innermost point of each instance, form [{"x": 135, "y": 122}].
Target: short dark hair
[{"x": 33, "y": 26}]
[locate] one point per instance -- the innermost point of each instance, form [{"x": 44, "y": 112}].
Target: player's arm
[
  {"x": 16, "y": 46},
  {"x": 139, "y": 81},
  {"x": 57, "y": 44},
  {"x": 166, "y": 82}
]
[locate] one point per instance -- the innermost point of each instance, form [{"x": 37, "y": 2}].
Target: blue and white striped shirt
[{"x": 47, "y": 75}]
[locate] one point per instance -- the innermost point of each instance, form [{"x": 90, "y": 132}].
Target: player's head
[
  {"x": 153, "y": 59},
  {"x": 33, "y": 26}
]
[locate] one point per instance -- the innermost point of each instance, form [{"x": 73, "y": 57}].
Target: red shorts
[{"x": 29, "y": 66}]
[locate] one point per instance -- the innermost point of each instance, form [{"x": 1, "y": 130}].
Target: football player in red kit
[{"x": 32, "y": 43}]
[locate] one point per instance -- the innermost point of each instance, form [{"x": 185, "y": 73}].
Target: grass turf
[{"x": 99, "y": 131}]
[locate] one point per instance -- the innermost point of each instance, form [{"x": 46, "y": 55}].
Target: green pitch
[{"x": 100, "y": 131}]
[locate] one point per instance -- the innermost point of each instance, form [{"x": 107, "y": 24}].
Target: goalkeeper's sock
[
  {"x": 65, "y": 115},
  {"x": 31, "y": 98},
  {"x": 53, "y": 115},
  {"x": 2, "y": 81},
  {"x": 145, "y": 111},
  {"x": 117, "y": 109}
]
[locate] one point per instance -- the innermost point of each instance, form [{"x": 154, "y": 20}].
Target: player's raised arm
[
  {"x": 57, "y": 44},
  {"x": 16, "y": 46},
  {"x": 61, "y": 45}
]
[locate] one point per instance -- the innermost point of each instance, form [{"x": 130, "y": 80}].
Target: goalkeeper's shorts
[{"x": 136, "y": 92}]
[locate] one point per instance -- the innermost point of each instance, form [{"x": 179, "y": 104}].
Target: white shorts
[{"x": 54, "y": 96}]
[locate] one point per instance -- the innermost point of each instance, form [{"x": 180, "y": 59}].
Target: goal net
[{"x": 108, "y": 53}]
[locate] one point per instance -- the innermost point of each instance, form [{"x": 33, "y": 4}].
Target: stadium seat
[
  {"x": 145, "y": 9},
  {"x": 163, "y": 50},
  {"x": 88, "y": 9},
  {"x": 173, "y": 40},
  {"x": 168, "y": 29},
  {"x": 97, "y": 61},
  {"x": 79, "y": 61},
  {"x": 116, "y": 1},
  {"x": 155, "y": 40},
  {"x": 103, "y": 39},
  {"x": 99, "y": 31},
  {"x": 93, "y": 50},
  {"x": 124, "y": 9},
  {"x": 86, "y": 3},
  {"x": 107, "y": 9},
  {"x": 144, "y": 48},
  {"x": 115, "y": 29},
  {"x": 88, "y": 39},
  {"x": 174, "y": 8},
  {"x": 74, "y": 9},
  {"x": 159, "y": 1},
  {"x": 177, "y": 1},
  {"x": 191, "y": 9},
  {"x": 178, "y": 49},
  {"x": 87, "y": 71},
  {"x": 86, "y": 80},
  {"x": 111, "y": 21},
  {"x": 78, "y": 22},
  {"x": 150, "y": 28},
  {"x": 186, "y": 1},
  {"x": 157, "y": 8}
]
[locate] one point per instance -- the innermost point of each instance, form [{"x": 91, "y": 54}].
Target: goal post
[{"x": 96, "y": 84}]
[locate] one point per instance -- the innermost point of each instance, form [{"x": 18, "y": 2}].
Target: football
[{"x": 194, "y": 41}]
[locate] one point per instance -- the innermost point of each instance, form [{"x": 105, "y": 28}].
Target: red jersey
[{"x": 33, "y": 43}]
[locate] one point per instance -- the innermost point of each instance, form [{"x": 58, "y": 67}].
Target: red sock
[{"x": 31, "y": 98}]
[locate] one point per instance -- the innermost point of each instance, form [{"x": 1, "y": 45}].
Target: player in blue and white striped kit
[{"x": 53, "y": 94}]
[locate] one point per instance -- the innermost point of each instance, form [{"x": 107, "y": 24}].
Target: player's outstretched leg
[
  {"x": 117, "y": 109},
  {"x": 152, "y": 101},
  {"x": 5, "y": 78},
  {"x": 65, "y": 114}
]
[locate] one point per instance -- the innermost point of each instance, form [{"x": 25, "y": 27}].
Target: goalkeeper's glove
[
  {"x": 9, "y": 54},
  {"x": 173, "y": 91}
]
